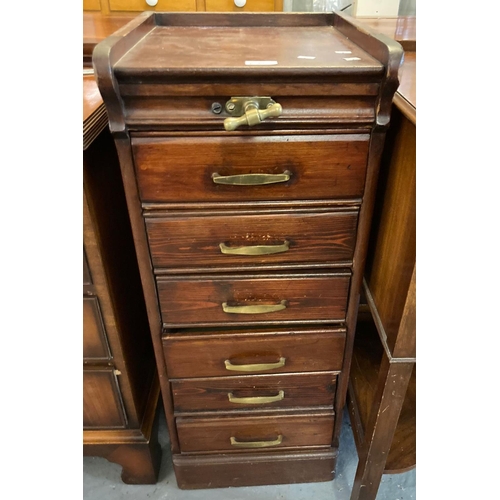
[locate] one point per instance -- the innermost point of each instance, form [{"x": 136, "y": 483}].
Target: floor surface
[{"x": 101, "y": 480}]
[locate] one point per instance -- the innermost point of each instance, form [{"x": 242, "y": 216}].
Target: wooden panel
[
  {"x": 403, "y": 453},
  {"x": 97, "y": 27},
  {"x": 229, "y": 5},
  {"x": 109, "y": 247},
  {"x": 406, "y": 97},
  {"x": 204, "y": 354},
  {"x": 198, "y": 301},
  {"x": 321, "y": 167},
  {"x": 150, "y": 107},
  {"x": 316, "y": 91},
  {"x": 181, "y": 47},
  {"x": 87, "y": 280},
  {"x": 199, "y": 434},
  {"x": 251, "y": 469},
  {"x": 95, "y": 345},
  {"x": 402, "y": 29},
  {"x": 102, "y": 407},
  {"x": 367, "y": 356},
  {"x": 161, "y": 6},
  {"x": 92, "y": 102},
  {"x": 186, "y": 241},
  {"x": 225, "y": 393},
  {"x": 393, "y": 241},
  {"x": 91, "y": 4}
]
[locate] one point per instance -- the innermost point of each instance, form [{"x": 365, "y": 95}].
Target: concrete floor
[{"x": 101, "y": 480}]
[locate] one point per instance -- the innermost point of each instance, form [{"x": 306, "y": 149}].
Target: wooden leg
[
  {"x": 138, "y": 453},
  {"x": 140, "y": 462},
  {"x": 392, "y": 384}
]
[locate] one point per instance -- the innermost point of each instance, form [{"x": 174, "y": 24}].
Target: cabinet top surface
[{"x": 196, "y": 48}]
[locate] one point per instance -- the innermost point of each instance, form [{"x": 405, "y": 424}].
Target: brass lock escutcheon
[{"x": 250, "y": 111}]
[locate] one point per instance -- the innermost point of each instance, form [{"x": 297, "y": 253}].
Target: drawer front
[
  {"x": 239, "y": 240},
  {"x": 254, "y": 392},
  {"x": 221, "y": 354},
  {"x": 193, "y": 169},
  {"x": 162, "y": 5},
  {"x": 95, "y": 345},
  {"x": 102, "y": 405},
  {"x": 250, "y": 6},
  {"x": 254, "y": 433},
  {"x": 257, "y": 299},
  {"x": 170, "y": 106}
]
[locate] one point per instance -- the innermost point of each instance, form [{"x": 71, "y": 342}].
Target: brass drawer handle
[
  {"x": 256, "y": 444},
  {"x": 254, "y": 309},
  {"x": 255, "y": 250},
  {"x": 251, "y": 179},
  {"x": 260, "y": 367},
  {"x": 256, "y": 400}
]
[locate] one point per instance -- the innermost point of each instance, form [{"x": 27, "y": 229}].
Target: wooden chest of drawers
[
  {"x": 251, "y": 233},
  {"x": 120, "y": 387}
]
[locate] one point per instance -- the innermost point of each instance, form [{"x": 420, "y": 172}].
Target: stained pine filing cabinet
[{"x": 249, "y": 147}]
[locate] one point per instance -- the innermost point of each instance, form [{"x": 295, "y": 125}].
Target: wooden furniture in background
[
  {"x": 120, "y": 383},
  {"x": 251, "y": 242},
  {"x": 96, "y": 27},
  {"x": 116, "y": 6},
  {"x": 382, "y": 388}
]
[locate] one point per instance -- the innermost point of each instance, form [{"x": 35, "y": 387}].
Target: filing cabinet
[{"x": 249, "y": 147}]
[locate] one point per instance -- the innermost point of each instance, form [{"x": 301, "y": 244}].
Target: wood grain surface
[
  {"x": 159, "y": 103},
  {"x": 320, "y": 167},
  {"x": 403, "y": 29},
  {"x": 203, "y": 353},
  {"x": 188, "y": 48},
  {"x": 282, "y": 467},
  {"x": 212, "y": 394},
  {"x": 318, "y": 298},
  {"x": 203, "y": 434},
  {"x": 102, "y": 406},
  {"x": 194, "y": 240},
  {"x": 95, "y": 343},
  {"x": 393, "y": 241}
]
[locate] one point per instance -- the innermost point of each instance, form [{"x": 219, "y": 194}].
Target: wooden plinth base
[
  {"x": 256, "y": 469},
  {"x": 140, "y": 462},
  {"x": 136, "y": 450}
]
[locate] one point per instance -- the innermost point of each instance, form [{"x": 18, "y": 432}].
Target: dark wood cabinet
[
  {"x": 382, "y": 388},
  {"x": 120, "y": 381},
  {"x": 250, "y": 233}
]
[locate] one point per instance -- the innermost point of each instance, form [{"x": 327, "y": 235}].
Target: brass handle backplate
[
  {"x": 259, "y": 367},
  {"x": 250, "y": 179},
  {"x": 256, "y": 400},
  {"x": 256, "y": 444},
  {"x": 255, "y": 250},
  {"x": 254, "y": 308},
  {"x": 250, "y": 111}
]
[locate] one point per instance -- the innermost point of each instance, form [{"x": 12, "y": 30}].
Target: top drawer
[{"x": 214, "y": 169}]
